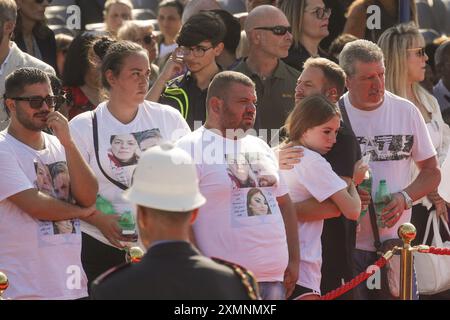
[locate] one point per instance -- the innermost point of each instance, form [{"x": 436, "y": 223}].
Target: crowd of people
[{"x": 243, "y": 151}]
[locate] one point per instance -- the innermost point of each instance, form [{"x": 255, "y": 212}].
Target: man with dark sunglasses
[
  {"x": 11, "y": 57},
  {"x": 29, "y": 204},
  {"x": 269, "y": 37}
]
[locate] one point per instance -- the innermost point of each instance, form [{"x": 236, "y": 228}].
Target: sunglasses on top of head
[{"x": 276, "y": 30}]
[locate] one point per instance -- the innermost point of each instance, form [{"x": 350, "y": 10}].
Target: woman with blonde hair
[
  {"x": 309, "y": 22},
  {"x": 313, "y": 124},
  {"x": 142, "y": 34},
  {"x": 405, "y": 61}
]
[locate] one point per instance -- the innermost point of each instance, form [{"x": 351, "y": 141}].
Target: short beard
[{"x": 26, "y": 122}]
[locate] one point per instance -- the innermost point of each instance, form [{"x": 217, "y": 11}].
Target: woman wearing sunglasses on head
[
  {"x": 144, "y": 36},
  {"x": 113, "y": 128},
  {"x": 405, "y": 61},
  {"x": 309, "y": 21},
  {"x": 31, "y": 34}
]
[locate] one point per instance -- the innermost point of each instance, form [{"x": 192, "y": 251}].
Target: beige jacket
[{"x": 432, "y": 106}]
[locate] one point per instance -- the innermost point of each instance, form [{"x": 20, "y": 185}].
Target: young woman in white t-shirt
[
  {"x": 313, "y": 124},
  {"x": 126, "y": 126}
]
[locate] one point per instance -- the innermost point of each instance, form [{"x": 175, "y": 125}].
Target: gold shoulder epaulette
[
  {"x": 246, "y": 276},
  {"x": 110, "y": 272}
]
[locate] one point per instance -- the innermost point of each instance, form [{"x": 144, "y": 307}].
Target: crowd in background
[{"x": 138, "y": 71}]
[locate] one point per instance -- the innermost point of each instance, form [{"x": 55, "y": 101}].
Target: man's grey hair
[
  {"x": 359, "y": 50},
  {"x": 8, "y": 11},
  {"x": 195, "y": 6}
]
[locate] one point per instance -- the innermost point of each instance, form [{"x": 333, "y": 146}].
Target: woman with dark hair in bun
[{"x": 116, "y": 124}]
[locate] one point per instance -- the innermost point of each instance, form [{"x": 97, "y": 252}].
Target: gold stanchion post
[
  {"x": 134, "y": 254},
  {"x": 3, "y": 284},
  {"x": 407, "y": 232}
]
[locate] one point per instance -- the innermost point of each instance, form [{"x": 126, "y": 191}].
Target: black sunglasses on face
[
  {"x": 149, "y": 38},
  {"x": 37, "y": 101},
  {"x": 41, "y": 1},
  {"x": 277, "y": 30}
]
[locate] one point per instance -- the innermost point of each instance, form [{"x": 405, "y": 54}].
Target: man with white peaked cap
[{"x": 166, "y": 193}]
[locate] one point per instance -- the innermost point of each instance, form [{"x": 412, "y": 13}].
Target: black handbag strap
[
  {"x": 95, "y": 136},
  {"x": 344, "y": 114},
  {"x": 373, "y": 223}
]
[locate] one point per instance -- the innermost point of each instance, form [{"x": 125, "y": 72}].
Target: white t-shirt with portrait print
[
  {"x": 313, "y": 177},
  {"x": 395, "y": 135},
  {"x": 39, "y": 257},
  {"x": 241, "y": 221},
  {"x": 120, "y": 146}
]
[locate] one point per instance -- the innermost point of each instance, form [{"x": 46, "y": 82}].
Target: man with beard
[
  {"x": 11, "y": 57},
  {"x": 200, "y": 42},
  {"x": 322, "y": 76},
  {"x": 266, "y": 245},
  {"x": 27, "y": 212}
]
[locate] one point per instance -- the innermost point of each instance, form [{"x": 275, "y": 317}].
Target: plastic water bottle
[
  {"x": 103, "y": 205},
  {"x": 127, "y": 223},
  {"x": 366, "y": 185},
  {"x": 382, "y": 197}
]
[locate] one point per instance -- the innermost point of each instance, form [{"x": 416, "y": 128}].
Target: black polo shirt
[
  {"x": 339, "y": 234},
  {"x": 191, "y": 103},
  {"x": 275, "y": 94}
]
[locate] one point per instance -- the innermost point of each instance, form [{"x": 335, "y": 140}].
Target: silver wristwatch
[{"x": 408, "y": 200}]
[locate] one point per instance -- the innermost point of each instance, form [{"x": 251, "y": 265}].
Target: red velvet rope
[
  {"x": 352, "y": 283},
  {"x": 364, "y": 275},
  {"x": 439, "y": 251}
]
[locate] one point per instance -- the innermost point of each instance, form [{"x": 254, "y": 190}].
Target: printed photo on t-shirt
[
  {"x": 257, "y": 203},
  {"x": 387, "y": 147},
  {"x": 54, "y": 180},
  {"x": 126, "y": 148},
  {"x": 254, "y": 206},
  {"x": 251, "y": 169}
]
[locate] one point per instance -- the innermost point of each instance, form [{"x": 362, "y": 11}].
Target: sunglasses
[
  {"x": 277, "y": 30},
  {"x": 322, "y": 13},
  {"x": 420, "y": 52},
  {"x": 42, "y": 1},
  {"x": 37, "y": 101},
  {"x": 149, "y": 39}
]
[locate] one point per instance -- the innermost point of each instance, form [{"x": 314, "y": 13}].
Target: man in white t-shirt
[
  {"x": 249, "y": 217},
  {"x": 39, "y": 231},
  {"x": 11, "y": 57},
  {"x": 393, "y": 132}
]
